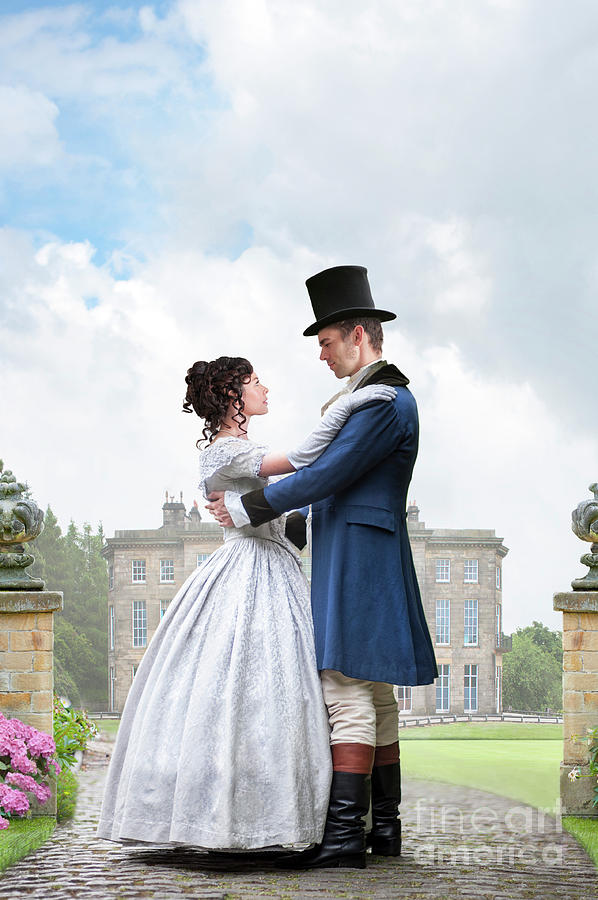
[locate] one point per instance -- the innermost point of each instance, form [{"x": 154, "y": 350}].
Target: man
[{"x": 369, "y": 624}]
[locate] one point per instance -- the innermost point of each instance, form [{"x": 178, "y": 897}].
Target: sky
[{"x": 171, "y": 173}]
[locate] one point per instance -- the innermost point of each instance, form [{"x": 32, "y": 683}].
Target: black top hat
[{"x": 342, "y": 292}]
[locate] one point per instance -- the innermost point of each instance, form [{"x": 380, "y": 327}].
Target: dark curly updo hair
[{"x": 211, "y": 386}]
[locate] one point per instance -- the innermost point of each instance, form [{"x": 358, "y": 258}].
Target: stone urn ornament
[
  {"x": 585, "y": 525},
  {"x": 21, "y": 521}
]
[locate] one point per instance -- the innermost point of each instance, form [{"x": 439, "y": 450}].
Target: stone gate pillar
[
  {"x": 580, "y": 665},
  {"x": 26, "y": 619}
]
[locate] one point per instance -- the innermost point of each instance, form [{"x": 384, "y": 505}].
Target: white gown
[{"x": 223, "y": 741}]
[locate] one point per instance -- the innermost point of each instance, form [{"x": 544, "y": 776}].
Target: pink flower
[
  {"x": 40, "y": 791},
  {"x": 19, "y": 729},
  {"x": 4, "y": 823},
  {"x": 21, "y": 762},
  {"x": 13, "y": 801},
  {"x": 40, "y": 744}
]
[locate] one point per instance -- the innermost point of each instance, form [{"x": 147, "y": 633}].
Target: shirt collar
[{"x": 355, "y": 380}]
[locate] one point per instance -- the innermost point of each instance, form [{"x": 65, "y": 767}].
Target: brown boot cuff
[
  {"x": 387, "y": 755},
  {"x": 357, "y": 758}
]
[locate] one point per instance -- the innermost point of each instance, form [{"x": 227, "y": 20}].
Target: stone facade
[
  {"x": 460, "y": 577},
  {"x": 146, "y": 568},
  {"x": 580, "y": 695}
]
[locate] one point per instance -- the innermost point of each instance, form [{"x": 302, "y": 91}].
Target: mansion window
[
  {"x": 164, "y": 604},
  {"x": 133, "y": 672},
  {"x": 112, "y": 688},
  {"x": 110, "y": 578},
  {"x": 470, "y": 573},
  {"x": 404, "y": 699},
  {"x": 498, "y": 624},
  {"x": 443, "y": 699},
  {"x": 138, "y": 571},
  {"x": 139, "y": 623},
  {"x": 111, "y": 628},
  {"x": 443, "y": 570},
  {"x": 166, "y": 571},
  {"x": 470, "y": 688},
  {"x": 201, "y": 557},
  {"x": 443, "y": 621},
  {"x": 470, "y": 622},
  {"x": 498, "y": 687},
  {"x": 498, "y": 579}
]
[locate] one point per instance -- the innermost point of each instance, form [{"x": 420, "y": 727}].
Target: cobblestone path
[{"x": 459, "y": 843}]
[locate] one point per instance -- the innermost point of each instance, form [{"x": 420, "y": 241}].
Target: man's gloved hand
[{"x": 334, "y": 419}]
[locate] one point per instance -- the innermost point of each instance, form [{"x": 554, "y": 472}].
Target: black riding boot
[
  {"x": 385, "y": 836},
  {"x": 343, "y": 844}
]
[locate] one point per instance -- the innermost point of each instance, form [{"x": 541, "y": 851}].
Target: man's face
[{"x": 341, "y": 355}]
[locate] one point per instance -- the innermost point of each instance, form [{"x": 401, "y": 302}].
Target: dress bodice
[{"x": 233, "y": 464}]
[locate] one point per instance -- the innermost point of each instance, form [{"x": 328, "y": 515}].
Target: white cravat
[{"x": 355, "y": 380}]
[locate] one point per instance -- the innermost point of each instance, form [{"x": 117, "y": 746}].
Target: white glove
[{"x": 334, "y": 419}]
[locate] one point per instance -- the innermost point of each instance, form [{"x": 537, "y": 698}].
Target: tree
[
  {"x": 533, "y": 670},
  {"x": 72, "y": 563}
]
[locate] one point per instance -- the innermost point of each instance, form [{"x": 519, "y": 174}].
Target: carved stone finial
[
  {"x": 584, "y": 522},
  {"x": 20, "y": 521}
]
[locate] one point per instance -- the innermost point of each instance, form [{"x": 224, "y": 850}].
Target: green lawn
[
  {"x": 586, "y": 832},
  {"x": 520, "y": 769},
  {"x": 22, "y": 837},
  {"x": 108, "y": 726},
  {"x": 520, "y": 761}
]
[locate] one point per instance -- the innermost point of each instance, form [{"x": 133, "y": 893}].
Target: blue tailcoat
[{"x": 368, "y": 617}]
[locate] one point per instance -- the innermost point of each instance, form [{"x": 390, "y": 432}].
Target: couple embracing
[{"x": 255, "y": 721}]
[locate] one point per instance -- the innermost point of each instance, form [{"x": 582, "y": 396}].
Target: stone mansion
[{"x": 459, "y": 573}]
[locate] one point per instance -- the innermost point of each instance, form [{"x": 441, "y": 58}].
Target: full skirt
[{"x": 223, "y": 741}]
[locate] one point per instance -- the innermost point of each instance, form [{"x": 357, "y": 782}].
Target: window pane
[
  {"x": 166, "y": 570},
  {"x": 470, "y": 688},
  {"x": 404, "y": 698},
  {"x": 470, "y": 623},
  {"x": 443, "y": 619},
  {"x": 138, "y": 570},
  {"x": 443, "y": 570},
  {"x": 139, "y": 623},
  {"x": 201, "y": 557},
  {"x": 471, "y": 571},
  {"x": 164, "y": 604},
  {"x": 442, "y": 688},
  {"x": 112, "y": 628},
  {"x": 498, "y": 576}
]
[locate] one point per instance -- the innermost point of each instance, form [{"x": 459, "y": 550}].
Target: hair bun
[{"x": 212, "y": 385}]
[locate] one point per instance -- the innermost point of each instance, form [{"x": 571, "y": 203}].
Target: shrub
[
  {"x": 72, "y": 730},
  {"x": 66, "y": 794}
]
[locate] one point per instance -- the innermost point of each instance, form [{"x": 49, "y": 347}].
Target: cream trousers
[{"x": 360, "y": 712}]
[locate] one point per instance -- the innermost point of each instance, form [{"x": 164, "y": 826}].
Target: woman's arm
[{"x": 276, "y": 464}]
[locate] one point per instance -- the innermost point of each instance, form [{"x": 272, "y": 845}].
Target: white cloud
[{"x": 28, "y": 123}]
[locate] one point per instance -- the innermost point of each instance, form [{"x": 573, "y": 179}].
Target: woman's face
[{"x": 255, "y": 397}]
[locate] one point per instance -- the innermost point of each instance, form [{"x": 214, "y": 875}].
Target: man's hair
[{"x": 372, "y": 328}]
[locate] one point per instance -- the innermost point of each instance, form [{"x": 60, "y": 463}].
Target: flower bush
[
  {"x": 26, "y": 760},
  {"x": 72, "y": 730}
]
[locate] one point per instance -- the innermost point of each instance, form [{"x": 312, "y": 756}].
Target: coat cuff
[
  {"x": 257, "y": 508},
  {"x": 235, "y": 508}
]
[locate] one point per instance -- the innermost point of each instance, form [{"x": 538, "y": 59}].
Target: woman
[{"x": 223, "y": 741}]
